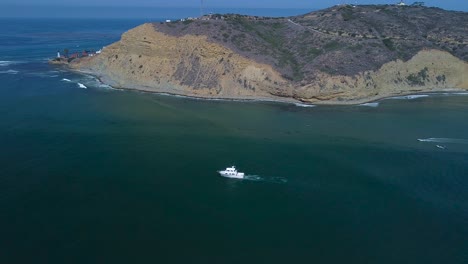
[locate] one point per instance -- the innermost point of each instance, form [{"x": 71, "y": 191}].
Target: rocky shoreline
[{"x": 285, "y": 100}]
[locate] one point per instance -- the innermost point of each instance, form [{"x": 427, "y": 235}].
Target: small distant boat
[
  {"x": 441, "y": 147},
  {"x": 231, "y": 172}
]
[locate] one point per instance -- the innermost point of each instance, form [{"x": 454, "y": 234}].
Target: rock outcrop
[{"x": 299, "y": 58}]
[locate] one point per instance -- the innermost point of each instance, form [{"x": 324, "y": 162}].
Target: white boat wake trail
[
  {"x": 258, "y": 178},
  {"x": 444, "y": 140}
]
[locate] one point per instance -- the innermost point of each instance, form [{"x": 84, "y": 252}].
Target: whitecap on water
[
  {"x": 66, "y": 80},
  {"x": 9, "y": 72},
  {"x": 82, "y": 86},
  {"x": 8, "y": 63}
]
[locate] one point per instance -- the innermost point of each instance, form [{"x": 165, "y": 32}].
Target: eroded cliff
[{"x": 198, "y": 59}]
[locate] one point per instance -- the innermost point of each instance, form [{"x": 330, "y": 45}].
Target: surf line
[{"x": 444, "y": 140}]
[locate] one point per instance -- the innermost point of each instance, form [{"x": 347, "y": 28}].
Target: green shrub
[
  {"x": 332, "y": 45},
  {"x": 389, "y": 44},
  {"x": 419, "y": 78}
]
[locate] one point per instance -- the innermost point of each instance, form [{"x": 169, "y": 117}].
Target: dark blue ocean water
[{"x": 99, "y": 175}]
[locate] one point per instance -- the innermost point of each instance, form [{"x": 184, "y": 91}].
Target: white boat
[{"x": 231, "y": 172}]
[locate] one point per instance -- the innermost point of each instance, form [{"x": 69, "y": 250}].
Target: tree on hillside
[{"x": 418, "y": 4}]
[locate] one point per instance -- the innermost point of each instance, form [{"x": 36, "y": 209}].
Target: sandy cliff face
[
  {"x": 428, "y": 71},
  {"x": 149, "y": 60},
  {"x": 190, "y": 65}
]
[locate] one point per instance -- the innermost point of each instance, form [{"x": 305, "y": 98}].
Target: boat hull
[{"x": 233, "y": 176}]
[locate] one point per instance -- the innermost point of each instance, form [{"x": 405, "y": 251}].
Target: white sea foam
[
  {"x": 106, "y": 86},
  {"x": 98, "y": 83},
  {"x": 444, "y": 140},
  {"x": 304, "y": 105},
  {"x": 375, "y": 104},
  {"x": 66, "y": 80},
  {"x": 8, "y": 63},
  {"x": 82, "y": 86},
  {"x": 409, "y": 97},
  {"x": 9, "y": 72}
]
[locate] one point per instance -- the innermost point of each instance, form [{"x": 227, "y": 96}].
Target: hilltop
[{"x": 343, "y": 54}]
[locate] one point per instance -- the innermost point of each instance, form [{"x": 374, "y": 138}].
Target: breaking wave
[
  {"x": 96, "y": 82},
  {"x": 375, "y": 104},
  {"x": 66, "y": 80},
  {"x": 82, "y": 86},
  {"x": 8, "y": 63},
  {"x": 304, "y": 105},
  {"x": 258, "y": 178},
  {"x": 409, "y": 97},
  {"x": 444, "y": 140},
  {"x": 106, "y": 86},
  {"x": 9, "y": 72}
]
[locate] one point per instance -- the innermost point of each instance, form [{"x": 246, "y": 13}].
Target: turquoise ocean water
[{"x": 99, "y": 175}]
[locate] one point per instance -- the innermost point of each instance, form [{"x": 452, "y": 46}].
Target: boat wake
[
  {"x": 258, "y": 178},
  {"x": 444, "y": 140}
]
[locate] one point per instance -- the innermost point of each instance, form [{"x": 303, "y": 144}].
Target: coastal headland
[{"x": 341, "y": 55}]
